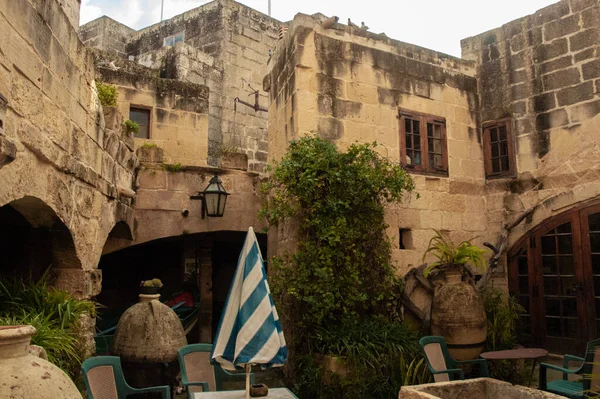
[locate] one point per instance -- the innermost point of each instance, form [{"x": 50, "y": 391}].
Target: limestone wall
[
  {"x": 347, "y": 85},
  {"x": 163, "y": 196},
  {"x": 106, "y": 34},
  {"x": 178, "y": 111},
  {"x": 232, "y": 44},
  {"x": 542, "y": 71},
  {"x": 67, "y": 155}
]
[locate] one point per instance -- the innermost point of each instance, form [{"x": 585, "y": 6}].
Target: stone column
[{"x": 205, "y": 285}]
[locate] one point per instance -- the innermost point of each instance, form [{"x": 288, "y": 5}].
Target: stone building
[{"x": 503, "y": 145}]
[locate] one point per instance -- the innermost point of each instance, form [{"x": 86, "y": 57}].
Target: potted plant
[
  {"x": 150, "y": 287},
  {"x": 457, "y": 309}
]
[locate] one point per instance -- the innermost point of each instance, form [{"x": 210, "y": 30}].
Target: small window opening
[
  {"x": 406, "y": 241},
  {"x": 171, "y": 40},
  {"x": 142, "y": 117}
]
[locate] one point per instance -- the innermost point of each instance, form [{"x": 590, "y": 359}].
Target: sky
[{"x": 434, "y": 24}]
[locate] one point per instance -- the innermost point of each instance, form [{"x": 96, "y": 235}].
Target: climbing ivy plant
[{"x": 340, "y": 277}]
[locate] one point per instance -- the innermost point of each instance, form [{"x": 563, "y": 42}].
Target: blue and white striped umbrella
[{"x": 249, "y": 331}]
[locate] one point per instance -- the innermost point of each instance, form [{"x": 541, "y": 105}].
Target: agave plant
[{"x": 448, "y": 253}]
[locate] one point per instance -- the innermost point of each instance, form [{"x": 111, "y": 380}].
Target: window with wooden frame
[
  {"x": 142, "y": 117},
  {"x": 498, "y": 149},
  {"x": 423, "y": 146}
]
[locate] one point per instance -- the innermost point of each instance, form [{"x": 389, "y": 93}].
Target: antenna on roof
[
  {"x": 162, "y": 7},
  {"x": 269, "y": 8}
]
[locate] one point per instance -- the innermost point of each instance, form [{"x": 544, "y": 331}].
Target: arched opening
[
  {"x": 34, "y": 238},
  {"x": 196, "y": 269},
  {"x": 554, "y": 271}
]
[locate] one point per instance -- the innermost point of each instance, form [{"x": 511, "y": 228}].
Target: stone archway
[{"x": 35, "y": 239}]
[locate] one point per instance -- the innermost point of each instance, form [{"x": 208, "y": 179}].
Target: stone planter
[
  {"x": 24, "y": 375},
  {"x": 148, "y": 336},
  {"x": 458, "y": 314},
  {"x": 480, "y": 388}
]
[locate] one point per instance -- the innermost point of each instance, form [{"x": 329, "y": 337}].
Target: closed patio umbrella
[{"x": 249, "y": 332}]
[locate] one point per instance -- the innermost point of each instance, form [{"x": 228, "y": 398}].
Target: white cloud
[{"x": 89, "y": 12}]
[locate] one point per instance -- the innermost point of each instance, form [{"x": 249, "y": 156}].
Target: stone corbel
[{"x": 8, "y": 151}]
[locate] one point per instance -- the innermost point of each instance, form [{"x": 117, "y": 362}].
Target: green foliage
[
  {"x": 54, "y": 314},
  {"x": 149, "y": 145},
  {"x": 131, "y": 127},
  {"x": 503, "y": 319},
  {"x": 338, "y": 293},
  {"x": 502, "y": 313},
  {"x": 379, "y": 356},
  {"x": 155, "y": 282},
  {"x": 107, "y": 94},
  {"x": 172, "y": 167},
  {"x": 448, "y": 253}
]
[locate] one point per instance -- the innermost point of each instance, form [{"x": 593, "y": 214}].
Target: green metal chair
[
  {"x": 104, "y": 379},
  {"x": 443, "y": 366},
  {"x": 197, "y": 372},
  {"x": 589, "y": 370}
]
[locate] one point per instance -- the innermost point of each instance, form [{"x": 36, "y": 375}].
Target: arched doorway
[
  {"x": 554, "y": 271},
  {"x": 34, "y": 239}
]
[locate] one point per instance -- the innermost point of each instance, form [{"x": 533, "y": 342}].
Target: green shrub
[
  {"x": 54, "y": 314},
  {"x": 338, "y": 292},
  {"x": 107, "y": 94},
  {"x": 448, "y": 253},
  {"x": 503, "y": 320},
  {"x": 131, "y": 127}
]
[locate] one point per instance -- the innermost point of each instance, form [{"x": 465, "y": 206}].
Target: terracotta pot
[
  {"x": 23, "y": 375},
  {"x": 149, "y": 290},
  {"x": 458, "y": 314}
]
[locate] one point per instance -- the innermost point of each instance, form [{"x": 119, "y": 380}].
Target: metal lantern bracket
[
  {"x": 200, "y": 196},
  {"x": 256, "y": 106}
]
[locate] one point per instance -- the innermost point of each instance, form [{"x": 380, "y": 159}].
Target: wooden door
[
  {"x": 553, "y": 272},
  {"x": 561, "y": 303}
]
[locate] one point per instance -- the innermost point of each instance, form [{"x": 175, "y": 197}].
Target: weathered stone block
[
  {"x": 578, "y": 5},
  {"x": 585, "y": 54},
  {"x": 551, "y": 50},
  {"x": 544, "y": 102},
  {"x": 151, "y": 154},
  {"x": 585, "y": 39},
  {"x": 553, "y": 65},
  {"x": 561, "y": 27},
  {"x": 591, "y": 70},
  {"x": 585, "y": 111},
  {"x": 576, "y": 94},
  {"x": 113, "y": 120},
  {"x": 234, "y": 160},
  {"x": 591, "y": 18},
  {"x": 8, "y": 151},
  {"x": 551, "y": 13},
  {"x": 563, "y": 78},
  {"x": 552, "y": 119}
]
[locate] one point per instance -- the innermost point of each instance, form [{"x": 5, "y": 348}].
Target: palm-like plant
[{"x": 449, "y": 254}]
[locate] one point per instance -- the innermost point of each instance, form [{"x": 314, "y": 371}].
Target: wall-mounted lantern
[{"x": 213, "y": 198}]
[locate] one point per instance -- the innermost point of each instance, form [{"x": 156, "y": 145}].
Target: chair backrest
[
  {"x": 103, "y": 377},
  {"x": 591, "y": 367},
  {"x": 194, "y": 361},
  {"x": 436, "y": 355}
]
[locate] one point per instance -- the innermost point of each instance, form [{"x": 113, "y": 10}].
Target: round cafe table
[{"x": 532, "y": 354}]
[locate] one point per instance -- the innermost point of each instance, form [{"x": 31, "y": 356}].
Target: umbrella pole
[{"x": 248, "y": 368}]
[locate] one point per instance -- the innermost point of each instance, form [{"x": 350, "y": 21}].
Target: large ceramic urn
[
  {"x": 148, "y": 336},
  {"x": 24, "y": 375},
  {"x": 458, "y": 314}
]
